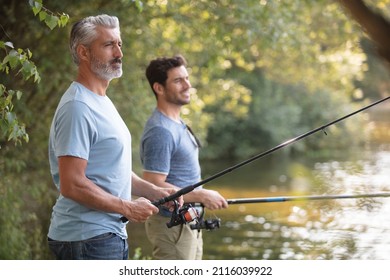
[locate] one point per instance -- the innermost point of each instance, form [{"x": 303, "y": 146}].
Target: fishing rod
[
  {"x": 190, "y": 188},
  {"x": 282, "y": 145},
  {"x": 211, "y": 224},
  {"x": 304, "y": 198}
]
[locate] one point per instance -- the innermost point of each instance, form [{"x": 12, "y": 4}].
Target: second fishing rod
[{"x": 190, "y": 188}]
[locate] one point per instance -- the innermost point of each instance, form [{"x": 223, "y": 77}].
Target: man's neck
[
  {"x": 172, "y": 112},
  {"x": 92, "y": 83}
]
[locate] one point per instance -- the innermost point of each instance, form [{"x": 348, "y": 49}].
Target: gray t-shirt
[
  {"x": 168, "y": 148},
  {"x": 88, "y": 126}
]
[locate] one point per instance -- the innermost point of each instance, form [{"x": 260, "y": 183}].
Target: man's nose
[
  {"x": 188, "y": 84},
  {"x": 118, "y": 52}
]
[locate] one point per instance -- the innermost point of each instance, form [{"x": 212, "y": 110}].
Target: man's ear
[
  {"x": 83, "y": 52},
  {"x": 158, "y": 88}
]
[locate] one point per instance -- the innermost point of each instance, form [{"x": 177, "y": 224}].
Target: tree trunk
[{"x": 373, "y": 23}]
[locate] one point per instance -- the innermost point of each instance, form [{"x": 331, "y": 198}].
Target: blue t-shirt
[
  {"x": 88, "y": 126},
  {"x": 168, "y": 148}
]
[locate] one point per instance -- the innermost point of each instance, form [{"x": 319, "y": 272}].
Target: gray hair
[{"x": 84, "y": 31}]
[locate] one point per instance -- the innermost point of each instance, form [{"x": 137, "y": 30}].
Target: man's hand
[
  {"x": 211, "y": 199},
  {"x": 164, "y": 192},
  {"x": 139, "y": 210}
]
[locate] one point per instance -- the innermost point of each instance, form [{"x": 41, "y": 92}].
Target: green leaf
[
  {"x": 9, "y": 44},
  {"x": 37, "y": 77},
  {"x": 51, "y": 21},
  {"x": 36, "y": 6},
  {"x": 29, "y": 53},
  {"x": 10, "y": 117},
  {"x": 19, "y": 94},
  {"x": 63, "y": 20},
  {"x": 42, "y": 15},
  {"x": 27, "y": 69},
  {"x": 13, "y": 58}
]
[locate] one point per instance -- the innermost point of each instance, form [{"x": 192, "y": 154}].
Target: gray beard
[{"x": 105, "y": 71}]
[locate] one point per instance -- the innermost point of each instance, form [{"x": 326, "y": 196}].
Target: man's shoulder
[
  {"x": 73, "y": 93},
  {"x": 158, "y": 121},
  {"x": 157, "y": 128}
]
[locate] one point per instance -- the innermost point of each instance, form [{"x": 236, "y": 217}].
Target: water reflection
[{"x": 311, "y": 230}]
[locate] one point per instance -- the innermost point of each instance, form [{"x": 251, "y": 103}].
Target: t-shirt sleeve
[
  {"x": 75, "y": 130},
  {"x": 156, "y": 150}
]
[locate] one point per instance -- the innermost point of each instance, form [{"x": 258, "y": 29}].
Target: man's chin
[
  {"x": 185, "y": 102},
  {"x": 113, "y": 75}
]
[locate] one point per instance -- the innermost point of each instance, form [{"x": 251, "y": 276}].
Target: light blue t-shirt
[
  {"x": 168, "y": 148},
  {"x": 88, "y": 126}
]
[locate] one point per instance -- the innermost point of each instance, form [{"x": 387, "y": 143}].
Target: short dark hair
[{"x": 157, "y": 70}]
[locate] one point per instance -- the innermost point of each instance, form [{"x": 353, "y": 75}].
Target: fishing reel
[
  {"x": 184, "y": 215},
  {"x": 188, "y": 214},
  {"x": 207, "y": 224}
]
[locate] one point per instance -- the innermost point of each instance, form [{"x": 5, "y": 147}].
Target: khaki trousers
[{"x": 175, "y": 243}]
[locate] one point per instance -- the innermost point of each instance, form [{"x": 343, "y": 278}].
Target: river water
[
  {"x": 326, "y": 229},
  {"x": 331, "y": 229}
]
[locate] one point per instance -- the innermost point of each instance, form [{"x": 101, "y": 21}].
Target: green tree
[
  {"x": 17, "y": 243},
  {"x": 19, "y": 61}
]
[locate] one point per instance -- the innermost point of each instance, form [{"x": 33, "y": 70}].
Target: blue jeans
[{"x": 107, "y": 246}]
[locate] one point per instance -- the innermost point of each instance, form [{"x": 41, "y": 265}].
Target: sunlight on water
[
  {"x": 329, "y": 229},
  {"x": 367, "y": 222}
]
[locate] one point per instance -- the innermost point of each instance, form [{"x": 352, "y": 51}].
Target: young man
[
  {"x": 90, "y": 154},
  {"x": 169, "y": 154}
]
